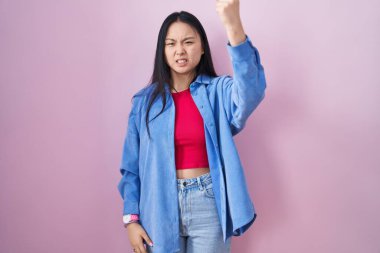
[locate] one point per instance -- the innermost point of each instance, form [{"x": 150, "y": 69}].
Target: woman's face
[{"x": 182, "y": 42}]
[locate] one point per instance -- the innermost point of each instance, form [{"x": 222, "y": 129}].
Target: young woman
[{"x": 182, "y": 181}]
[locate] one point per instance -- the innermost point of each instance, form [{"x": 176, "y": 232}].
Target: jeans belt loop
[{"x": 200, "y": 183}]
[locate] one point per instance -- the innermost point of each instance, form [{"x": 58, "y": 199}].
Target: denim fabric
[
  {"x": 148, "y": 184},
  {"x": 200, "y": 229}
]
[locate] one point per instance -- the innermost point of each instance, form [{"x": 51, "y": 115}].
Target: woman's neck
[{"x": 181, "y": 82}]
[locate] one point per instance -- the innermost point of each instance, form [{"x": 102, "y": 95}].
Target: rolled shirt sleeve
[{"x": 246, "y": 89}]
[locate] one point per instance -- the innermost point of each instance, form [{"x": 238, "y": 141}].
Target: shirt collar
[{"x": 201, "y": 79}]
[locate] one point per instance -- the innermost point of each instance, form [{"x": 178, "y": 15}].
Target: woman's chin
[{"x": 182, "y": 71}]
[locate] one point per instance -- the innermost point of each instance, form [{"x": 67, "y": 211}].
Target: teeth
[{"x": 181, "y": 61}]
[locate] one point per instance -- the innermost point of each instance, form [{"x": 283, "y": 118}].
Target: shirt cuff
[{"x": 243, "y": 51}]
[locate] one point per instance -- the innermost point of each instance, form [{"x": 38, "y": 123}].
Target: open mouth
[{"x": 181, "y": 62}]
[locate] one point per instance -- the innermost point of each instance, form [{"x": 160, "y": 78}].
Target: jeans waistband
[{"x": 201, "y": 180}]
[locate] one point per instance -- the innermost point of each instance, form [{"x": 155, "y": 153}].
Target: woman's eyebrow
[{"x": 191, "y": 37}]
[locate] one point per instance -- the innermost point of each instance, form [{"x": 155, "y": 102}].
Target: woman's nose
[{"x": 180, "y": 50}]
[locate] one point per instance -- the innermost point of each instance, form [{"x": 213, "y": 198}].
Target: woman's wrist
[
  {"x": 126, "y": 224},
  {"x": 235, "y": 34}
]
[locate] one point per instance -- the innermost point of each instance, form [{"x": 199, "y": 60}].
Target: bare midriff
[{"x": 191, "y": 172}]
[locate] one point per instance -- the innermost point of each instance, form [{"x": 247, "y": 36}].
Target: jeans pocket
[{"x": 209, "y": 192}]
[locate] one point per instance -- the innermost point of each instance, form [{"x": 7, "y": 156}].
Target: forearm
[{"x": 235, "y": 33}]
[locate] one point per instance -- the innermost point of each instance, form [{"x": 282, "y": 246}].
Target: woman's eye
[{"x": 189, "y": 42}]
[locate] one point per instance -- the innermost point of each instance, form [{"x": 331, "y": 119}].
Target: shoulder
[
  {"x": 217, "y": 83},
  {"x": 140, "y": 97},
  {"x": 208, "y": 80},
  {"x": 142, "y": 92}
]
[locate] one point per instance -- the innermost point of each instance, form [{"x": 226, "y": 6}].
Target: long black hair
[{"x": 161, "y": 72}]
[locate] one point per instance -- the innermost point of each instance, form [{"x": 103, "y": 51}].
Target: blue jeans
[{"x": 200, "y": 229}]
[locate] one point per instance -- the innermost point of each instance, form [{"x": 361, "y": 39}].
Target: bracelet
[{"x": 130, "y": 218}]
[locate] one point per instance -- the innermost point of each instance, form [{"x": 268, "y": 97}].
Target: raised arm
[{"x": 242, "y": 93}]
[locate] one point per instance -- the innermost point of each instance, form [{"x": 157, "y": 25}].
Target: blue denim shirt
[{"x": 148, "y": 185}]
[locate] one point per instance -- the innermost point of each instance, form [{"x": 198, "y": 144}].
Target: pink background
[{"x": 68, "y": 70}]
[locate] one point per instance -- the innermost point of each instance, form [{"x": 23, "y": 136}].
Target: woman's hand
[
  {"x": 137, "y": 235},
  {"x": 229, "y": 13}
]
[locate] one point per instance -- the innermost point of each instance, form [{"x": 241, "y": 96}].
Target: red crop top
[{"x": 189, "y": 133}]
